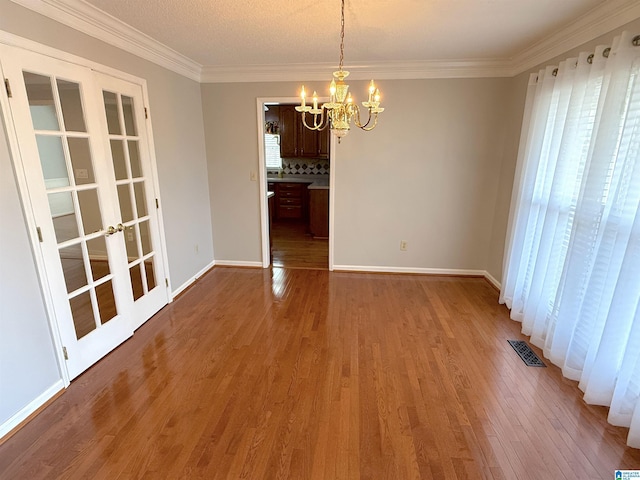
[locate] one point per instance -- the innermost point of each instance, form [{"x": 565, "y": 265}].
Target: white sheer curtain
[{"x": 572, "y": 265}]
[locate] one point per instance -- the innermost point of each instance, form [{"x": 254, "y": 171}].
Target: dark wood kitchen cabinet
[
  {"x": 288, "y": 132},
  {"x": 307, "y": 139},
  {"x": 319, "y": 213},
  {"x": 323, "y": 145},
  {"x": 296, "y": 140},
  {"x": 273, "y": 211},
  {"x": 290, "y": 200}
]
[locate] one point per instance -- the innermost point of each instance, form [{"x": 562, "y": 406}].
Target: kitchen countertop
[{"x": 316, "y": 182}]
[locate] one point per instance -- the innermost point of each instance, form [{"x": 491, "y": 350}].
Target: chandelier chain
[
  {"x": 341, "y": 109},
  {"x": 341, "y": 37}
]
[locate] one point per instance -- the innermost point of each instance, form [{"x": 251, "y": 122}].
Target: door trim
[
  {"x": 9, "y": 41},
  {"x": 262, "y": 169},
  {"x": 29, "y": 217}
]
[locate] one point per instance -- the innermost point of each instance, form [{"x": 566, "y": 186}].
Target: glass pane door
[
  {"x": 75, "y": 205},
  {"x": 130, "y": 159},
  {"x": 84, "y": 155},
  {"x": 132, "y": 186}
]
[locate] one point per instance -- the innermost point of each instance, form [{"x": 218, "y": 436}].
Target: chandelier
[{"x": 338, "y": 112}]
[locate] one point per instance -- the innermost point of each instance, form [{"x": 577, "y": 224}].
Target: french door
[{"x": 85, "y": 156}]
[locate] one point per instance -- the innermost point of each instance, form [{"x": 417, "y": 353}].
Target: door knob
[{"x": 111, "y": 229}]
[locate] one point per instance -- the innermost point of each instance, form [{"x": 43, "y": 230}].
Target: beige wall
[
  {"x": 231, "y": 132},
  {"x": 28, "y": 365},
  {"x": 428, "y": 174},
  {"x": 514, "y": 98}
]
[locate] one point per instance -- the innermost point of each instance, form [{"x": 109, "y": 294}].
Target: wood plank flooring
[
  {"x": 307, "y": 374},
  {"x": 293, "y": 247}
]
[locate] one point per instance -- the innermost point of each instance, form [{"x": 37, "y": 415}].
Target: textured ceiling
[{"x": 254, "y": 32}]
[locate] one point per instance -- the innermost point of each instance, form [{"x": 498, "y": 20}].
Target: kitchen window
[{"x": 272, "y": 151}]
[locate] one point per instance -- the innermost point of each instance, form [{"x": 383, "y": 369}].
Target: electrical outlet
[
  {"x": 403, "y": 245},
  {"x": 253, "y": 176}
]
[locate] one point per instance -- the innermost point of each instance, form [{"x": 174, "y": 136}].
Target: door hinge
[
  {"x": 166, "y": 282},
  {"x": 64, "y": 351},
  {"x": 157, "y": 203},
  {"x": 146, "y": 113},
  {"x": 39, "y": 234},
  {"x": 7, "y": 85}
]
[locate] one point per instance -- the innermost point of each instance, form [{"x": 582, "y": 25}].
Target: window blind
[{"x": 272, "y": 151}]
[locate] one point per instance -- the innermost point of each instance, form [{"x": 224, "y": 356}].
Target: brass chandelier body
[{"x": 340, "y": 110}]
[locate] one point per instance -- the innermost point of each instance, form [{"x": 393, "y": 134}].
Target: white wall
[{"x": 176, "y": 112}]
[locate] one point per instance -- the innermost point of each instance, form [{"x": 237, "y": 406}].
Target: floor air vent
[{"x": 527, "y": 355}]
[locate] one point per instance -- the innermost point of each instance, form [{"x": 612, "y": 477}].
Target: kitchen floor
[{"x": 293, "y": 247}]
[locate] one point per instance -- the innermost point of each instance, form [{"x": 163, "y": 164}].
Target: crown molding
[
  {"x": 380, "y": 71},
  {"x": 599, "y": 21},
  {"x": 92, "y": 21}
]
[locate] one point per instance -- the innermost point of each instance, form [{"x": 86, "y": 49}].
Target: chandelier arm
[
  {"x": 325, "y": 121},
  {"x": 316, "y": 125},
  {"x": 357, "y": 120},
  {"x": 326, "y": 124},
  {"x": 375, "y": 122}
]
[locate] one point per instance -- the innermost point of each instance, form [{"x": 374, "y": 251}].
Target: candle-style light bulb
[
  {"x": 315, "y": 100},
  {"x": 303, "y": 94},
  {"x": 349, "y": 99},
  {"x": 332, "y": 90},
  {"x": 377, "y": 95},
  {"x": 372, "y": 87}
]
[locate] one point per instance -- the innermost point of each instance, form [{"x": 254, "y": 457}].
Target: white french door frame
[
  {"x": 10, "y": 40},
  {"x": 262, "y": 177}
]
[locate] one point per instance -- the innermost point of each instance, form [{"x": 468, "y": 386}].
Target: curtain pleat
[{"x": 571, "y": 272}]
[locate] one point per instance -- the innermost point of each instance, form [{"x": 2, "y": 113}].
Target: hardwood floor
[
  {"x": 293, "y": 247},
  {"x": 308, "y": 374}
]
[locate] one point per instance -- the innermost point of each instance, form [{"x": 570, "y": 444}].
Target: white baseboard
[
  {"x": 222, "y": 263},
  {"x": 31, "y": 407},
  {"x": 492, "y": 280},
  {"x": 189, "y": 282},
  {"x": 421, "y": 271},
  {"x": 233, "y": 263},
  {"x": 352, "y": 268}
]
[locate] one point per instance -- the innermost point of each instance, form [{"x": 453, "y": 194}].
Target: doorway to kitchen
[{"x": 295, "y": 174}]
